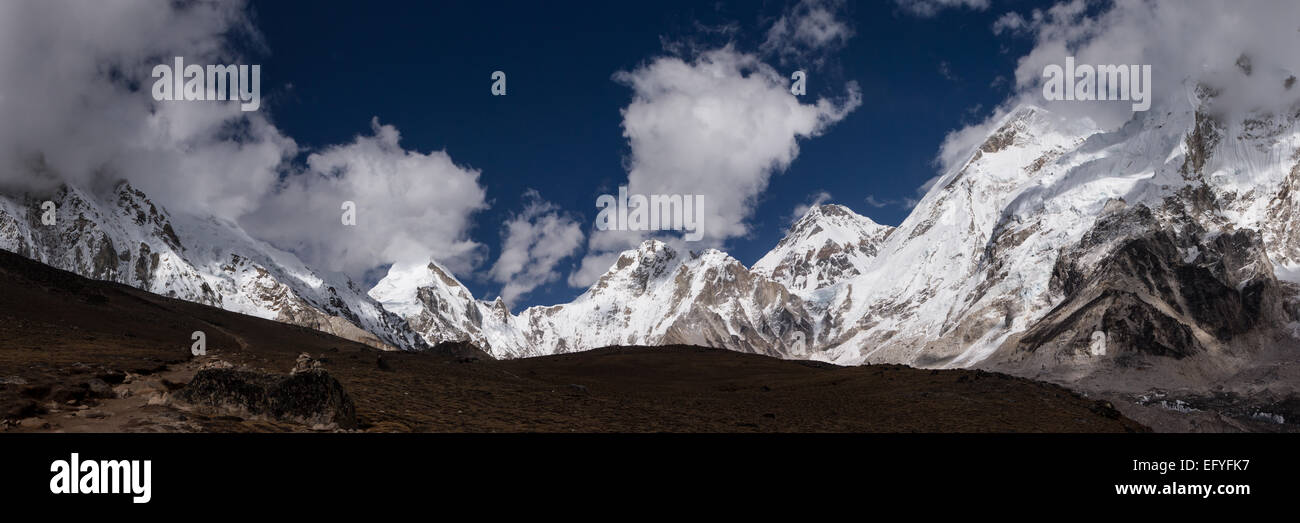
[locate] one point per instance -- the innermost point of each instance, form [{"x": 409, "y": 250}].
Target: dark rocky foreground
[{"x": 81, "y": 355}]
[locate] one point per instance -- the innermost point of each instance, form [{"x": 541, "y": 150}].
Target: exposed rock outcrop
[{"x": 308, "y": 395}]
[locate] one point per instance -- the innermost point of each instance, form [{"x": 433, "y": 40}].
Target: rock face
[
  {"x": 1163, "y": 293},
  {"x": 124, "y": 237},
  {"x": 309, "y": 396}
]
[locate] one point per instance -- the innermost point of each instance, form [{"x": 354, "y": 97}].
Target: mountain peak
[
  {"x": 399, "y": 290},
  {"x": 831, "y": 213},
  {"x": 827, "y": 245},
  {"x": 651, "y": 246}
]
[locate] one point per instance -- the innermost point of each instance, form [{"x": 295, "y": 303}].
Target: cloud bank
[
  {"x": 1188, "y": 43},
  {"x": 75, "y": 89}
]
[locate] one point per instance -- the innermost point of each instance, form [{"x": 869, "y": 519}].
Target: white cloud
[
  {"x": 602, "y": 251},
  {"x": 1038, "y": 19},
  {"x": 929, "y": 8},
  {"x": 878, "y": 203},
  {"x": 1011, "y": 22},
  {"x": 534, "y": 242},
  {"x": 808, "y": 30},
  {"x": 410, "y": 206},
  {"x": 905, "y": 202},
  {"x": 959, "y": 144},
  {"x": 813, "y": 200},
  {"x": 75, "y": 91},
  {"x": 1184, "y": 42},
  {"x": 720, "y": 126},
  {"x": 945, "y": 70}
]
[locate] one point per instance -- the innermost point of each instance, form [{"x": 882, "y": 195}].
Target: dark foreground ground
[{"x": 80, "y": 355}]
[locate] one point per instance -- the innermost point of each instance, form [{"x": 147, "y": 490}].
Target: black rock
[
  {"x": 1105, "y": 409},
  {"x": 312, "y": 397},
  {"x": 113, "y": 377},
  {"x": 35, "y": 391},
  {"x": 100, "y": 388},
  {"x": 25, "y": 409},
  {"x": 463, "y": 351}
]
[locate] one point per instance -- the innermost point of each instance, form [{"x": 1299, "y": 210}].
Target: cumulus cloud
[
  {"x": 1186, "y": 43},
  {"x": 930, "y": 8},
  {"x": 75, "y": 91},
  {"x": 807, "y": 30},
  {"x": 410, "y": 206},
  {"x": 533, "y": 243},
  {"x": 718, "y": 125}
]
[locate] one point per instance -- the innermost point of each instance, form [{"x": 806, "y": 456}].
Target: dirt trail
[{"x": 142, "y": 405}]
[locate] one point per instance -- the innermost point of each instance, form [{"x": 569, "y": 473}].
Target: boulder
[{"x": 309, "y": 396}]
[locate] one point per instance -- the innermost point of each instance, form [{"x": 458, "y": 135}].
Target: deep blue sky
[{"x": 425, "y": 68}]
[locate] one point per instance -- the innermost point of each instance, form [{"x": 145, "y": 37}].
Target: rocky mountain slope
[
  {"x": 124, "y": 237},
  {"x": 652, "y": 295},
  {"x": 1052, "y": 231}
]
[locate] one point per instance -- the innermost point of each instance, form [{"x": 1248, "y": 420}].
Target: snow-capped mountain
[
  {"x": 126, "y": 238},
  {"x": 1056, "y": 245},
  {"x": 936, "y": 286},
  {"x": 652, "y": 295},
  {"x": 827, "y": 245},
  {"x": 1064, "y": 245},
  {"x": 438, "y": 307}
]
